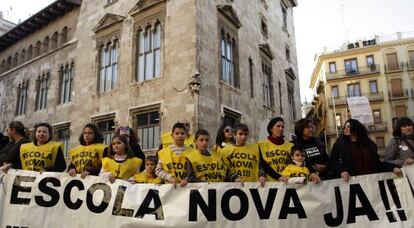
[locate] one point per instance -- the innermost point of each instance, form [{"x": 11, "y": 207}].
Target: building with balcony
[
  {"x": 150, "y": 63},
  {"x": 381, "y": 69},
  {"x": 5, "y": 25}
]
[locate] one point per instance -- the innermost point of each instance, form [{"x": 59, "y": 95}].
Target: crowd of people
[{"x": 184, "y": 158}]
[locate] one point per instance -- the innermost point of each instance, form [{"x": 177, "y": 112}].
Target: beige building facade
[
  {"x": 380, "y": 69},
  {"x": 150, "y": 63}
]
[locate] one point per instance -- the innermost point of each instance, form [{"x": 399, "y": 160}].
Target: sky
[
  {"x": 318, "y": 24},
  {"x": 330, "y": 23}
]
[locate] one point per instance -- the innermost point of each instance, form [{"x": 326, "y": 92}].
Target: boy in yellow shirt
[
  {"x": 206, "y": 166},
  {"x": 172, "y": 164},
  {"x": 243, "y": 158},
  {"x": 148, "y": 175}
]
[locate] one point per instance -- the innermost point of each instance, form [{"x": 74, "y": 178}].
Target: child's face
[
  {"x": 118, "y": 146},
  {"x": 149, "y": 166},
  {"x": 298, "y": 156},
  {"x": 202, "y": 142},
  {"x": 241, "y": 137},
  {"x": 179, "y": 135}
]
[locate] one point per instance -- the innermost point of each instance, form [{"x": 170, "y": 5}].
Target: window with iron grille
[{"x": 148, "y": 129}]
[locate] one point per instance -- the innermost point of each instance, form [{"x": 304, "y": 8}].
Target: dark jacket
[
  {"x": 315, "y": 153},
  {"x": 136, "y": 149},
  {"x": 341, "y": 158},
  {"x": 11, "y": 153},
  {"x": 4, "y": 140}
]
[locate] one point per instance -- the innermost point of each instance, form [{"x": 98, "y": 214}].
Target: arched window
[
  {"x": 46, "y": 45},
  {"x": 64, "y": 35},
  {"x": 54, "y": 41},
  {"x": 23, "y": 56},
  {"x": 29, "y": 52},
  {"x": 37, "y": 49}
]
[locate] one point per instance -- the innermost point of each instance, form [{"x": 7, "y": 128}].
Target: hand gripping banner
[{"x": 33, "y": 200}]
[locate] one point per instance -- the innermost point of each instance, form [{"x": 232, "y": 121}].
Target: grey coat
[{"x": 398, "y": 150}]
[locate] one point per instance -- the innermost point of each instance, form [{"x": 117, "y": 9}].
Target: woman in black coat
[
  {"x": 316, "y": 158},
  {"x": 354, "y": 153}
]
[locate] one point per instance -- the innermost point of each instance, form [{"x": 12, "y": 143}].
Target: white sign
[
  {"x": 30, "y": 199},
  {"x": 360, "y": 109}
]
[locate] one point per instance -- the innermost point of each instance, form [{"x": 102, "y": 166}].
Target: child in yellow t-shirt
[
  {"x": 121, "y": 162},
  {"x": 148, "y": 175},
  {"x": 206, "y": 166},
  {"x": 297, "y": 172}
]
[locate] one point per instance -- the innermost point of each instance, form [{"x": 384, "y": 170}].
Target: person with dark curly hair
[
  {"x": 354, "y": 153},
  {"x": 400, "y": 149},
  {"x": 86, "y": 159},
  {"x": 316, "y": 158}
]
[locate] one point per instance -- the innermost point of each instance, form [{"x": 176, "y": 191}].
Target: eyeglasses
[
  {"x": 124, "y": 128},
  {"x": 228, "y": 129}
]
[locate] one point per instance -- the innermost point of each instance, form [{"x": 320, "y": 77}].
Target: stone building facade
[{"x": 149, "y": 63}]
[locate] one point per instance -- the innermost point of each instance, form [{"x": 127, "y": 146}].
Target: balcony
[
  {"x": 372, "y": 97},
  {"x": 399, "y": 95},
  {"x": 372, "y": 128},
  {"x": 377, "y": 127},
  {"x": 410, "y": 65},
  {"x": 361, "y": 71},
  {"x": 338, "y": 101},
  {"x": 394, "y": 68},
  {"x": 331, "y": 131}
]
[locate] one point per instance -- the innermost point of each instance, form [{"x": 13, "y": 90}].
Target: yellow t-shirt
[
  {"x": 143, "y": 177},
  {"x": 83, "y": 157},
  {"x": 36, "y": 158},
  {"x": 296, "y": 171},
  {"x": 207, "y": 168},
  {"x": 174, "y": 164},
  {"x": 276, "y": 156},
  {"x": 121, "y": 170},
  {"x": 243, "y": 160}
]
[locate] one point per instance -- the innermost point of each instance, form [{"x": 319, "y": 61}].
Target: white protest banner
[
  {"x": 360, "y": 109},
  {"x": 29, "y": 199}
]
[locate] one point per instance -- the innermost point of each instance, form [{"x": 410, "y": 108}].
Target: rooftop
[{"x": 42, "y": 18}]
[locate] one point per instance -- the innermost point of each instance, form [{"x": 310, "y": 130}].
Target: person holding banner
[
  {"x": 400, "y": 149},
  {"x": 42, "y": 154},
  {"x": 121, "y": 162},
  {"x": 204, "y": 166},
  {"x": 86, "y": 159},
  {"x": 243, "y": 158},
  {"x": 225, "y": 136},
  {"x": 296, "y": 172},
  {"x": 354, "y": 153},
  {"x": 11, "y": 152},
  {"x": 275, "y": 151},
  {"x": 316, "y": 157},
  {"x": 132, "y": 141},
  {"x": 172, "y": 164}
]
